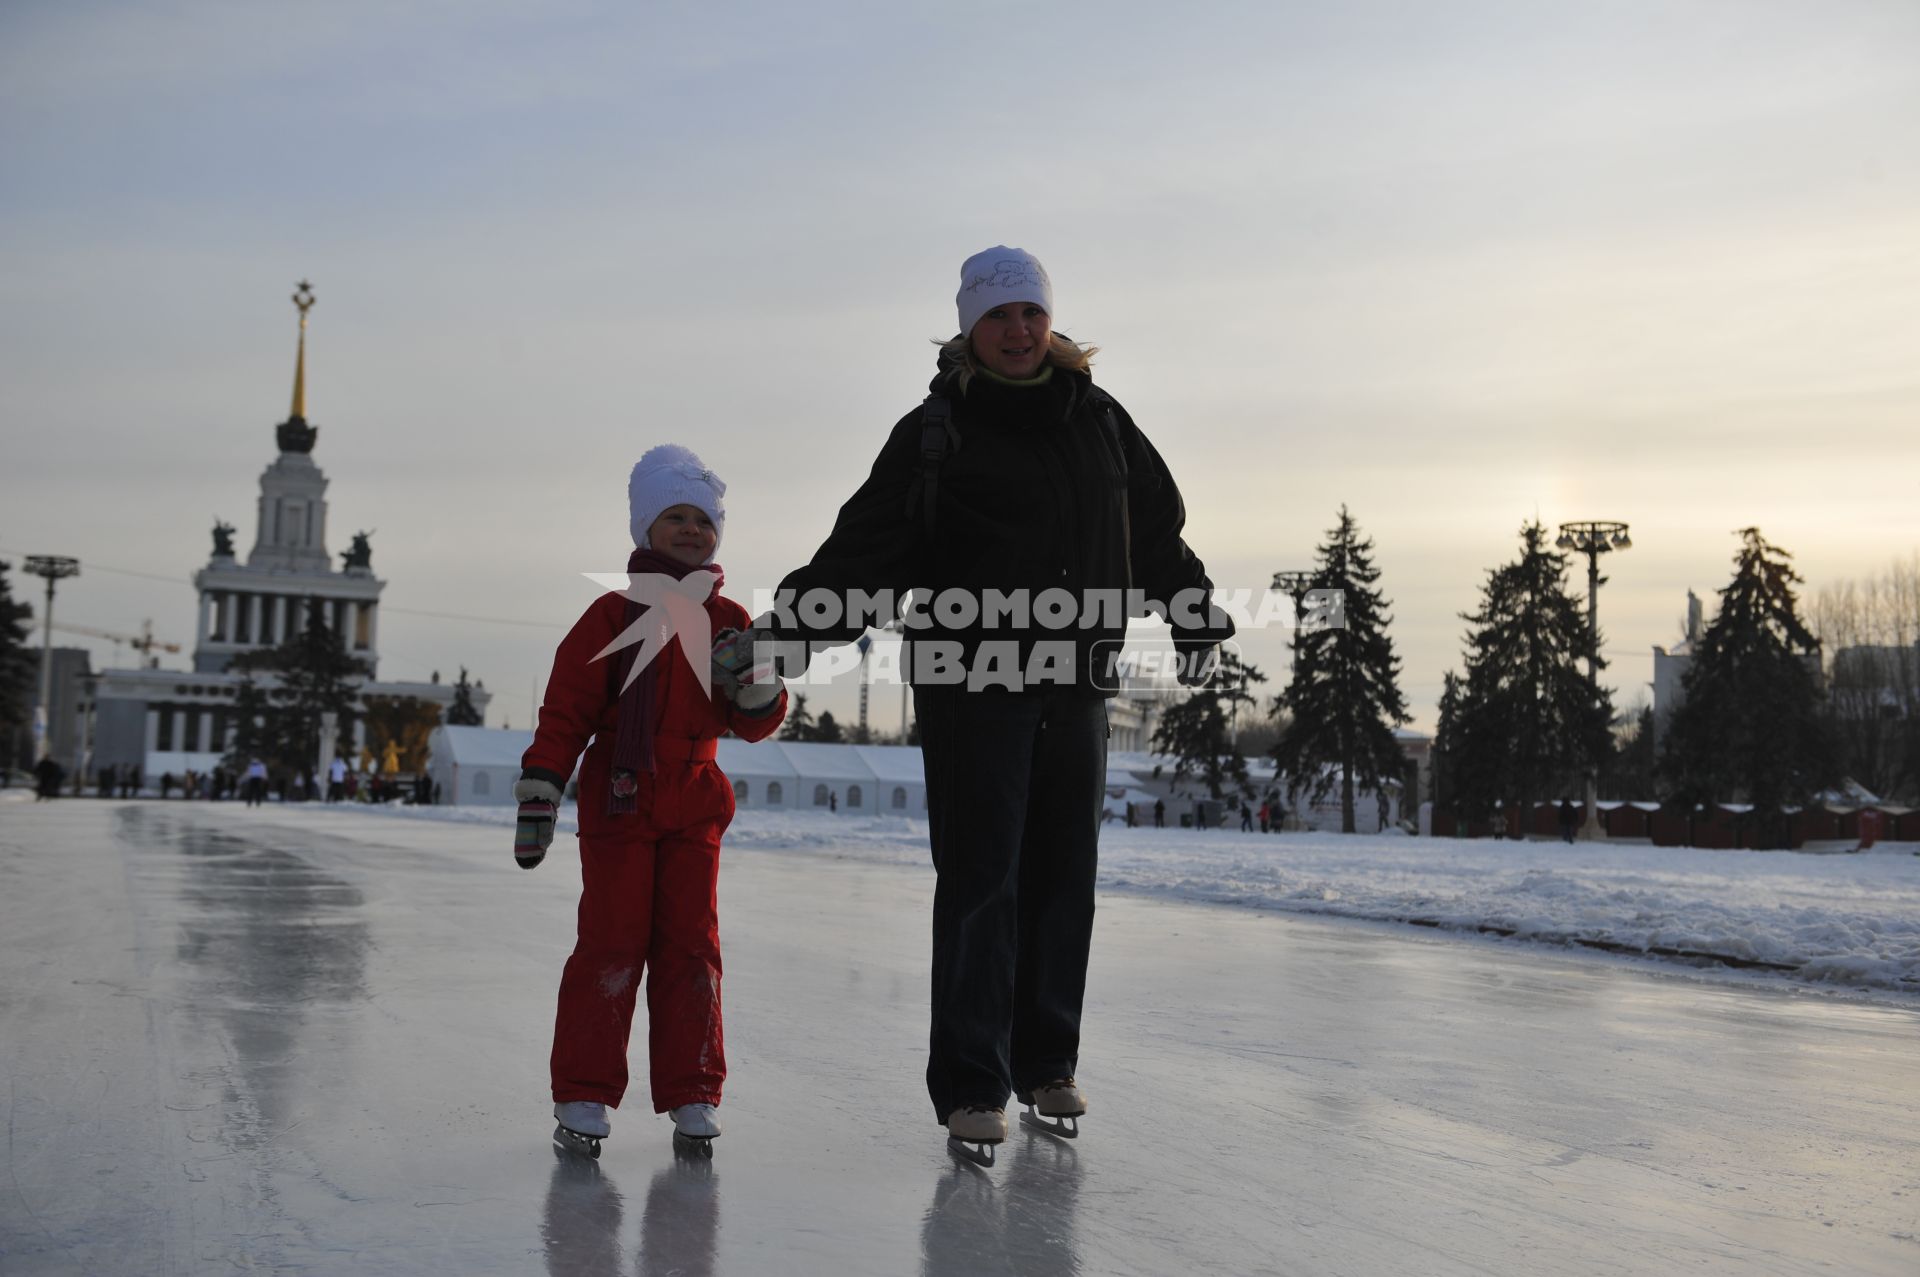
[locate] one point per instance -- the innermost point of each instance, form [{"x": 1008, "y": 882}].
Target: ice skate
[
  {"x": 583, "y": 1124},
  {"x": 973, "y": 1131},
  {"x": 694, "y": 1129},
  {"x": 1055, "y": 1107}
]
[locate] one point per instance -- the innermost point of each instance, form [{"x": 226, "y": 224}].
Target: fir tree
[
  {"x": 799, "y": 724},
  {"x": 1632, "y": 769},
  {"x": 1198, "y": 735},
  {"x": 462, "y": 712},
  {"x": 827, "y": 731},
  {"x": 314, "y": 675},
  {"x": 1448, "y": 755},
  {"x": 1344, "y": 696},
  {"x": 17, "y": 664},
  {"x": 1527, "y": 719},
  {"x": 1750, "y": 727},
  {"x": 251, "y": 711}
]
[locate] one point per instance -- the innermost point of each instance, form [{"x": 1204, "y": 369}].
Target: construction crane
[{"x": 144, "y": 642}]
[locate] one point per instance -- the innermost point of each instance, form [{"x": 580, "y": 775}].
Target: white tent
[
  {"x": 475, "y": 766},
  {"x": 832, "y": 774},
  {"x": 900, "y": 777},
  {"x": 760, "y": 772}
]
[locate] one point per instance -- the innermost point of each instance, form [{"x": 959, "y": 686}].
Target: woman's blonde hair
[{"x": 956, "y": 354}]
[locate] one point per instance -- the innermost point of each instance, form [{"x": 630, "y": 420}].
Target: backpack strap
[{"x": 937, "y": 438}]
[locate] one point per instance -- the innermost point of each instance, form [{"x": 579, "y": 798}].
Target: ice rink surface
[{"x": 237, "y": 1041}]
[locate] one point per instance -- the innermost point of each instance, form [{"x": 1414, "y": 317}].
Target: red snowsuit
[{"x": 648, "y": 877}]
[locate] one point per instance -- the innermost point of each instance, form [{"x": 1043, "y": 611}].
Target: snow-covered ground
[
  {"x": 314, "y": 1040},
  {"x": 1831, "y": 918}
]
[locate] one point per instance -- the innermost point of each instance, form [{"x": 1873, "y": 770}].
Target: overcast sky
[{"x": 1455, "y": 265}]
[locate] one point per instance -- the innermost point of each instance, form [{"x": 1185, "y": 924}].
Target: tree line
[{"x": 1761, "y": 719}]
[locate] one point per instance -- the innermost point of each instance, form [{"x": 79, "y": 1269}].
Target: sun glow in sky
[{"x": 1456, "y": 266}]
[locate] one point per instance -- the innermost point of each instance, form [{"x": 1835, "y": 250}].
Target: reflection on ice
[
  {"x": 1017, "y": 1219},
  {"x": 269, "y": 943},
  {"x": 580, "y": 1226},
  {"x": 682, "y": 1221}
]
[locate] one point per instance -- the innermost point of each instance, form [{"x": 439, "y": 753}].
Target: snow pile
[{"x": 1834, "y": 919}]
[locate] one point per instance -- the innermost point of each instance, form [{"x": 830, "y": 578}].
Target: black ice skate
[{"x": 1055, "y": 1107}]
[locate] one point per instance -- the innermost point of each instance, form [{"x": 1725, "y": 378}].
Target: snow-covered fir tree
[
  {"x": 1750, "y": 727},
  {"x": 1198, "y": 732},
  {"x": 1344, "y": 697},
  {"x": 1528, "y": 721}
]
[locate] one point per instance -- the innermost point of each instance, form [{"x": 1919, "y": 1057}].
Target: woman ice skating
[
  {"x": 652, "y": 807},
  {"x": 1016, "y": 478}
]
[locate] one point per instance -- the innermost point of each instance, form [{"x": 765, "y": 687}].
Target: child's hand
[
  {"x": 539, "y": 811},
  {"x": 749, "y": 683}
]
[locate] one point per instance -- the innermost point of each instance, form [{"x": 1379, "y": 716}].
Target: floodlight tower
[
  {"x": 53, "y": 567},
  {"x": 1593, "y": 538}
]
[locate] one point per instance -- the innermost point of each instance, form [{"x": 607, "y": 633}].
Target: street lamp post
[
  {"x": 53, "y": 567},
  {"x": 1593, "y": 538}
]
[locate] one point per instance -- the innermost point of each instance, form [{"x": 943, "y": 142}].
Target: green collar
[{"x": 1046, "y": 375}]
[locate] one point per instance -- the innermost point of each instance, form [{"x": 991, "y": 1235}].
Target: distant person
[
  {"x": 256, "y": 783},
  {"x": 336, "y": 779},
  {"x": 653, "y": 804},
  {"x": 1159, "y": 813},
  {"x": 1130, "y": 815},
  {"x": 1246, "y": 817},
  {"x": 1569, "y": 819},
  {"x": 47, "y": 776},
  {"x": 1266, "y": 815},
  {"x": 833, "y": 801},
  {"x": 1199, "y": 815}
]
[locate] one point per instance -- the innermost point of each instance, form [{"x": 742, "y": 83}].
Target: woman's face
[
  {"x": 1012, "y": 340},
  {"x": 683, "y": 533}
]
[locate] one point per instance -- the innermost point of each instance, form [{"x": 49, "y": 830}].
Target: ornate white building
[{"x": 176, "y": 720}]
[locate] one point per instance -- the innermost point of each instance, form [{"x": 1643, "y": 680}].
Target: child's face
[{"x": 684, "y": 533}]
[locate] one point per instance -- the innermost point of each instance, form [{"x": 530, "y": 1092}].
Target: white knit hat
[
  {"x": 999, "y": 276},
  {"x": 667, "y": 476}
]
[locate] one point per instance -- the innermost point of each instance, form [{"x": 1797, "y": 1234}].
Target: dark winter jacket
[{"x": 1047, "y": 487}]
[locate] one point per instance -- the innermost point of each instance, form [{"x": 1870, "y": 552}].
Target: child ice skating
[{"x": 652, "y": 805}]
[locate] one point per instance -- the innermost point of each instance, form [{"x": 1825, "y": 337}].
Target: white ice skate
[
  {"x": 583, "y": 1124},
  {"x": 1055, "y": 1107},
  {"x": 975, "y": 1130},
  {"x": 695, "y": 1128}
]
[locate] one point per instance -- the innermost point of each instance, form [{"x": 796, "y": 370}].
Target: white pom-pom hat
[{"x": 671, "y": 475}]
